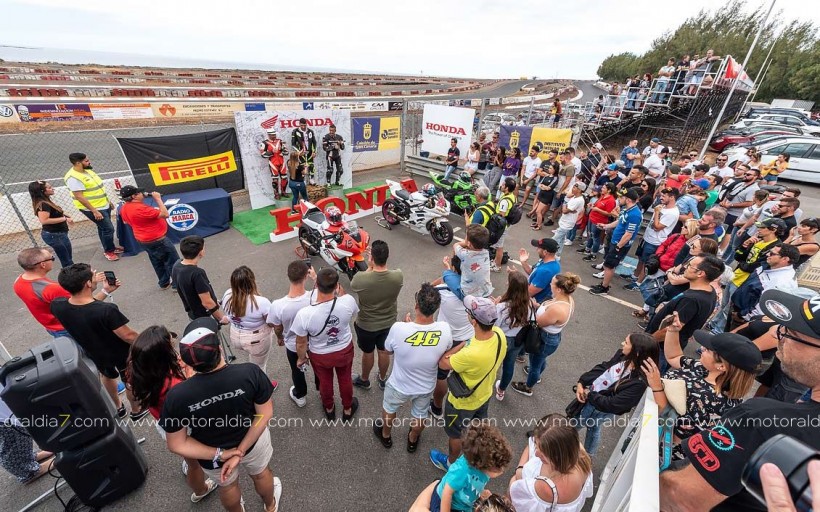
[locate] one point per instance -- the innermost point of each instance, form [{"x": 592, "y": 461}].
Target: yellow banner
[
  {"x": 182, "y": 109},
  {"x": 389, "y": 133},
  {"x": 167, "y": 173},
  {"x": 550, "y": 138}
]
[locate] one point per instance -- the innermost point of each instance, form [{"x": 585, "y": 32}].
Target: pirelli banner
[{"x": 183, "y": 163}]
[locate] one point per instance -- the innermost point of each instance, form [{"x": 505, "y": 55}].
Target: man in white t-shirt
[
  {"x": 575, "y": 161},
  {"x": 572, "y": 208},
  {"x": 654, "y": 146},
  {"x": 664, "y": 218},
  {"x": 282, "y": 313},
  {"x": 720, "y": 168},
  {"x": 453, "y": 313},
  {"x": 323, "y": 333},
  {"x": 417, "y": 346},
  {"x": 656, "y": 163},
  {"x": 528, "y": 169}
]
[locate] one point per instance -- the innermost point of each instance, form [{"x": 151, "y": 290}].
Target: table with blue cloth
[{"x": 214, "y": 212}]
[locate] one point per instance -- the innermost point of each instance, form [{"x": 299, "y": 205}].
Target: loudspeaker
[
  {"x": 104, "y": 470},
  {"x": 56, "y": 396}
]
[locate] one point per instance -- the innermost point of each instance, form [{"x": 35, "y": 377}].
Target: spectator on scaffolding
[
  {"x": 662, "y": 83},
  {"x": 701, "y": 68},
  {"x": 681, "y": 68}
]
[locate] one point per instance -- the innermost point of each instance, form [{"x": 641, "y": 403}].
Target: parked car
[
  {"x": 804, "y": 153},
  {"x": 757, "y": 112},
  {"x": 725, "y": 140},
  {"x": 788, "y": 120}
]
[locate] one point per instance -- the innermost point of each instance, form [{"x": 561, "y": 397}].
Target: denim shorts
[{"x": 393, "y": 400}]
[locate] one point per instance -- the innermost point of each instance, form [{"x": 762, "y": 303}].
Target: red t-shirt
[
  {"x": 37, "y": 296},
  {"x": 144, "y": 220},
  {"x": 605, "y": 203},
  {"x": 169, "y": 383},
  {"x": 677, "y": 183}
]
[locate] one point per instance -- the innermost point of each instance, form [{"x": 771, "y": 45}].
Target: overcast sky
[{"x": 476, "y": 38}]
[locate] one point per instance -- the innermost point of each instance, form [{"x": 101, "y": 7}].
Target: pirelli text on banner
[{"x": 167, "y": 173}]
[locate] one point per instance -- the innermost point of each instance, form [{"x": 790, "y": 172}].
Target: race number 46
[{"x": 424, "y": 338}]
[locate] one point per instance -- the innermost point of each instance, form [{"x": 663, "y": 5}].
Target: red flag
[{"x": 732, "y": 69}]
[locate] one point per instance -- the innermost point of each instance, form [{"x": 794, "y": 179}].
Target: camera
[{"x": 792, "y": 457}]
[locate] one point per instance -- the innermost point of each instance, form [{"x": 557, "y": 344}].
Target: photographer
[
  {"x": 333, "y": 145},
  {"x": 711, "y": 475}
]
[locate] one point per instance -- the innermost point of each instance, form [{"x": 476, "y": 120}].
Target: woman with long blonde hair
[
  {"x": 248, "y": 312},
  {"x": 296, "y": 180}
]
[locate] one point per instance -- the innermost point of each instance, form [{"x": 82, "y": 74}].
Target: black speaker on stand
[{"x": 52, "y": 390}]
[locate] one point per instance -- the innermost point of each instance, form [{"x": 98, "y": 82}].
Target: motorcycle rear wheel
[
  {"x": 389, "y": 208},
  {"x": 441, "y": 234}
]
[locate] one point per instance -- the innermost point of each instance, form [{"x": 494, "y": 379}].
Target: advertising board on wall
[
  {"x": 41, "y": 112},
  {"x": 179, "y": 109},
  {"x": 106, "y": 111},
  {"x": 376, "y": 133},
  {"x": 442, "y": 123},
  {"x": 545, "y": 139},
  {"x": 8, "y": 114}
]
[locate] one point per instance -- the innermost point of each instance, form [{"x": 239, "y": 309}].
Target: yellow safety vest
[{"x": 94, "y": 191}]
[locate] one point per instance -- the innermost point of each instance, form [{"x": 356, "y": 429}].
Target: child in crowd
[
  {"x": 485, "y": 454},
  {"x": 475, "y": 265}
]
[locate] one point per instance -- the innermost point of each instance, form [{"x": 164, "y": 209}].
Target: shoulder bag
[{"x": 455, "y": 383}]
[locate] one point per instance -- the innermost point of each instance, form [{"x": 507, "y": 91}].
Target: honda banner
[
  {"x": 252, "y": 127},
  {"x": 441, "y": 123},
  {"x": 183, "y": 163}
]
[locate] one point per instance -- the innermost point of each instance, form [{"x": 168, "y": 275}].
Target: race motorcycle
[
  {"x": 342, "y": 247},
  {"x": 424, "y": 211},
  {"x": 460, "y": 192}
]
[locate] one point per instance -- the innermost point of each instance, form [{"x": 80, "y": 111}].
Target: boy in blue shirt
[
  {"x": 624, "y": 233},
  {"x": 486, "y": 453}
]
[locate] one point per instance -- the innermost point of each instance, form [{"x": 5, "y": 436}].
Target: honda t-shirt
[
  {"x": 327, "y": 325},
  {"x": 283, "y": 312},
  {"x": 217, "y": 407},
  {"x": 417, "y": 350}
]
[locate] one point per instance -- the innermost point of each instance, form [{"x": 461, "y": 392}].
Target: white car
[
  {"x": 804, "y": 157},
  {"x": 780, "y": 119}
]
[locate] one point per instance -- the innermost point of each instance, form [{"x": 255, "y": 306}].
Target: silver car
[{"x": 804, "y": 156}]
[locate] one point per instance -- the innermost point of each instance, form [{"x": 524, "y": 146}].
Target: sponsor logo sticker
[{"x": 182, "y": 217}]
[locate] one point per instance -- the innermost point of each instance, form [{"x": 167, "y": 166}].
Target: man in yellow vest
[{"x": 90, "y": 198}]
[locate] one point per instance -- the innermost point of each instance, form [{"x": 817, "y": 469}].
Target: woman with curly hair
[
  {"x": 154, "y": 367},
  {"x": 514, "y": 311}
]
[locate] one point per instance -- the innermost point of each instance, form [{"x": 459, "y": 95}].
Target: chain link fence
[{"x": 30, "y": 157}]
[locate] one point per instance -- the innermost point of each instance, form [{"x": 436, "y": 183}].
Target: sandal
[
  {"x": 535, "y": 228},
  {"x": 640, "y": 313}
]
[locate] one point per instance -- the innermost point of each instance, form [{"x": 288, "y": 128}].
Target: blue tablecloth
[{"x": 214, "y": 212}]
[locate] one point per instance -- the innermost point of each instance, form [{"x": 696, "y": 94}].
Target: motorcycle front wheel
[
  {"x": 442, "y": 233},
  {"x": 389, "y": 212}
]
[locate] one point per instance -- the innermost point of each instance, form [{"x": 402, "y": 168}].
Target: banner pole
[
  {"x": 529, "y": 114},
  {"x": 480, "y": 120},
  {"x": 403, "y": 135}
]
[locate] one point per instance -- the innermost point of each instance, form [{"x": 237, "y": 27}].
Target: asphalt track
[{"x": 329, "y": 468}]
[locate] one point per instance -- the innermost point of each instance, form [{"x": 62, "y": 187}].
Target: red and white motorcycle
[{"x": 340, "y": 243}]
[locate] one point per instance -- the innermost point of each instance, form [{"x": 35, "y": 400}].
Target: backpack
[
  {"x": 514, "y": 215},
  {"x": 496, "y": 224}
]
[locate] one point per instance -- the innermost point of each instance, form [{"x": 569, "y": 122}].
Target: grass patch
[{"x": 258, "y": 224}]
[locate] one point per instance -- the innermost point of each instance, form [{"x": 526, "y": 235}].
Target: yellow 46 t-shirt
[{"x": 473, "y": 362}]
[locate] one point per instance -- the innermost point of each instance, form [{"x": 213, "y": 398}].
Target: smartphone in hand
[{"x": 110, "y": 278}]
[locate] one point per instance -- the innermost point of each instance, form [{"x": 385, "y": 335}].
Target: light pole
[{"x": 736, "y": 80}]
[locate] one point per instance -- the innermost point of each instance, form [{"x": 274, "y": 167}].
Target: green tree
[{"x": 618, "y": 67}]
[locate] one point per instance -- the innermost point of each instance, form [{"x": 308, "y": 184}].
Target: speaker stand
[{"x": 46, "y": 495}]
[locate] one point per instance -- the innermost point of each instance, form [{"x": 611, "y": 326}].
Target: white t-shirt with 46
[{"x": 417, "y": 350}]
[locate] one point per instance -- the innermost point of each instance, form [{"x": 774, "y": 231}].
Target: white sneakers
[
  {"x": 300, "y": 402},
  {"x": 598, "y": 275},
  {"x": 567, "y": 242}
]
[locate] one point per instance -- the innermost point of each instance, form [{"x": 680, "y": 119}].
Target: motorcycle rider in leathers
[
  {"x": 275, "y": 150},
  {"x": 303, "y": 142},
  {"x": 333, "y": 145}
]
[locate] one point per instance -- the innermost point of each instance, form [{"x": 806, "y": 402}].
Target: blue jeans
[
  {"x": 59, "y": 334},
  {"x": 61, "y": 245},
  {"x": 729, "y": 255},
  {"x": 559, "y": 237},
  {"x": 718, "y": 323},
  {"x": 453, "y": 281},
  {"x": 538, "y": 362},
  {"x": 448, "y": 171},
  {"x": 572, "y": 233},
  {"x": 105, "y": 230},
  {"x": 162, "y": 255},
  {"x": 508, "y": 366},
  {"x": 593, "y": 420},
  {"x": 594, "y": 238},
  {"x": 297, "y": 187}
]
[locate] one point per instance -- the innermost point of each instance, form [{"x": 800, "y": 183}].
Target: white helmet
[{"x": 271, "y": 131}]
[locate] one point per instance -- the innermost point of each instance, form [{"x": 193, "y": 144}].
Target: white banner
[
  {"x": 361, "y": 106},
  {"x": 441, "y": 123},
  {"x": 251, "y": 128}
]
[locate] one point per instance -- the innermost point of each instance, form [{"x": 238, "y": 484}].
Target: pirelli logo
[{"x": 167, "y": 173}]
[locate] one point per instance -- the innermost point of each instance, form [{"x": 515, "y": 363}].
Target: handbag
[
  {"x": 455, "y": 382},
  {"x": 529, "y": 336},
  {"x": 574, "y": 408}
]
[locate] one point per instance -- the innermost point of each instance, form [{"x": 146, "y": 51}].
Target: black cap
[
  {"x": 129, "y": 191},
  {"x": 794, "y": 312},
  {"x": 733, "y": 348},
  {"x": 199, "y": 346},
  {"x": 548, "y": 244}
]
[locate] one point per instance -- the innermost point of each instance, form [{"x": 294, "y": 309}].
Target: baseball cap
[
  {"x": 598, "y": 146},
  {"x": 581, "y": 186},
  {"x": 778, "y": 225},
  {"x": 732, "y": 348},
  {"x": 701, "y": 183},
  {"x": 791, "y": 311},
  {"x": 655, "y": 139},
  {"x": 199, "y": 346},
  {"x": 612, "y": 167},
  {"x": 620, "y": 163},
  {"x": 548, "y": 244},
  {"x": 482, "y": 309},
  {"x": 129, "y": 191}
]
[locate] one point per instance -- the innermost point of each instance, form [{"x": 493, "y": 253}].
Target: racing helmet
[
  {"x": 429, "y": 190},
  {"x": 334, "y": 216},
  {"x": 465, "y": 177},
  {"x": 271, "y": 132}
]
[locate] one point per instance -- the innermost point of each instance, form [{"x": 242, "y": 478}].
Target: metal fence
[{"x": 28, "y": 157}]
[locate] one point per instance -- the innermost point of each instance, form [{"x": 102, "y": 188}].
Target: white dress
[{"x": 525, "y": 499}]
